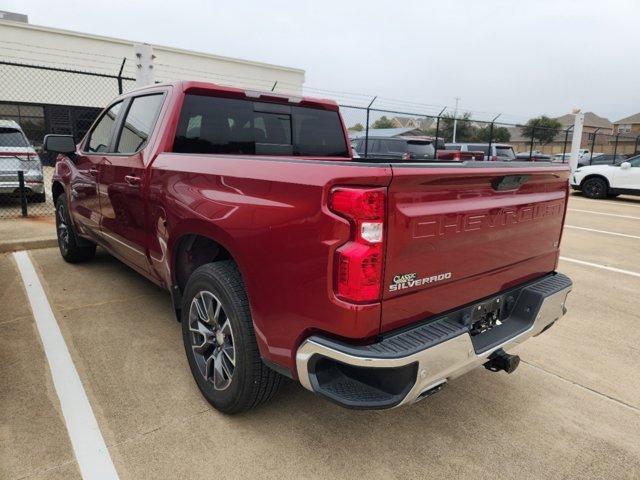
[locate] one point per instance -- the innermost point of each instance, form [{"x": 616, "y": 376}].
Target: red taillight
[
  {"x": 457, "y": 156},
  {"x": 358, "y": 263}
]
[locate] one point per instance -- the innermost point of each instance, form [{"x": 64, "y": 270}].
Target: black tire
[
  {"x": 72, "y": 249},
  {"x": 242, "y": 381},
  {"x": 38, "y": 198},
  {"x": 595, "y": 188}
]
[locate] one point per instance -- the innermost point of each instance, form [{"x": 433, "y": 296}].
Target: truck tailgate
[{"x": 458, "y": 234}]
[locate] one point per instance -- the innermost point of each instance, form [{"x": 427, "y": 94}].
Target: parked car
[
  {"x": 600, "y": 181},
  {"x": 561, "y": 158},
  {"x": 499, "y": 151},
  {"x": 396, "y": 148},
  {"x": 602, "y": 159},
  {"x": 409, "y": 148},
  {"x": 18, "y": 155},
  {"x": 285, "y": 256},
  {"x": 533, "y": 157}
]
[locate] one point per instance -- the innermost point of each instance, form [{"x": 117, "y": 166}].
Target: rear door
[
  {"x": 84, "y": 200},
  {"x": 122, "y": 180},
  {"x": 458, "y": 234}
]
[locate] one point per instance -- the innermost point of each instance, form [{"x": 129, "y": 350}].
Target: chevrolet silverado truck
[{"x": 372, "y": 282}]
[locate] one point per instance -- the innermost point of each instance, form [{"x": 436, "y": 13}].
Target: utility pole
[
  {"x": 577, "y": 138},
  {"x": 455, "y": 119},
  {"x": 144, "y": 64}
]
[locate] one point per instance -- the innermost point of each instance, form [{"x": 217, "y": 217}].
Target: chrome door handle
[{"x": 131, "y": 180}]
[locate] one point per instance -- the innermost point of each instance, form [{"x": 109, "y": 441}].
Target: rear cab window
[
  {"x": 475, "y": 147},
  {"x": 236, "y": 126},
  {"x": 507, "y": 152}
]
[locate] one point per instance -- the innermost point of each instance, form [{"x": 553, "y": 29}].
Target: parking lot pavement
[
  {"x": 570, "y": 411},
  {"x": 33, "y": 438},
  {"x": 610, "y": 250},
  {"x": 622, "y": 205},
  {"x": 598, "y": 344}
]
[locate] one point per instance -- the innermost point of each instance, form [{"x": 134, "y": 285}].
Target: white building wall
[{"x": 23, "y": 43}]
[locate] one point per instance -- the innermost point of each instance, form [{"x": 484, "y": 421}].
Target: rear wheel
[
  {"x": 220, "y": 342},
  {"x": 595, "y": 188},
  {"x": 71, "y": 249}
]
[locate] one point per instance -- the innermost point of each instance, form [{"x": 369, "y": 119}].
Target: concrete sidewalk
[{"x": 27, "y": 233}]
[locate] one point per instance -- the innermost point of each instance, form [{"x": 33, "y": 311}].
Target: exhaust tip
[
  {"x": 431, "y": 391},
  {"x": 501, "y": 360}
]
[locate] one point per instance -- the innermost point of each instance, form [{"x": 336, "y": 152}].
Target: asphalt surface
[{"x": 572, "y": 409}]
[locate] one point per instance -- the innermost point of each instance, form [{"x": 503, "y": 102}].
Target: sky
[{"x": 519, "y": 58}]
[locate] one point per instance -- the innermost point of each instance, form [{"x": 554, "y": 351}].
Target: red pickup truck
[{"x": 371, "y": 282}]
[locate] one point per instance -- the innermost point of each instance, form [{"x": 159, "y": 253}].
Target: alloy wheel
[
  {"x": 62, "y": 227},
  {"x": 594, "y": 188},
  {"x": 212, "y": 339}
]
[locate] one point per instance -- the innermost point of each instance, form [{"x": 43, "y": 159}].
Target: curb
[{"x": 28, "y": 244}]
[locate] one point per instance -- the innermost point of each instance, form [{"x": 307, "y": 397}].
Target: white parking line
[
  {"x": 602, "y": 213},
  {"x": 603, "y": 267},
  {"x": 89, "y": 447},
  {"x": 603, "y": 231}
]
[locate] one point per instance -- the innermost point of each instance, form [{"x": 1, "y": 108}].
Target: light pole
[{"x": 455, "y": 119}]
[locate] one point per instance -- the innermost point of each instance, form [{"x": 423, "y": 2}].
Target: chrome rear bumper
[{"x": 426, "y": 356}]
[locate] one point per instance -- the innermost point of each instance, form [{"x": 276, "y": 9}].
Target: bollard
[{"x": 23, "y": 193}]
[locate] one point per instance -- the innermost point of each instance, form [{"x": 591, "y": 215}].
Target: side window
[
  {"x": 139, "y": 123},
  {"x": 101, "y": 134},
  {"x": 635, "y": 162}
]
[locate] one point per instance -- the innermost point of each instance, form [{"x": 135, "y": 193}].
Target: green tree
[
  {"x": 358, "y": 127},
  {"x": 499, "y": 134},
  {"x": 383, "y": 122},
  {"x": 542, "y": 129},
  {"x": 465, "y": 129}
]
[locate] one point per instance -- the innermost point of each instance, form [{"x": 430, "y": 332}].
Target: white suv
[
  {"x": 599, "y": 181},
  {"x": 17, "y": 154}
]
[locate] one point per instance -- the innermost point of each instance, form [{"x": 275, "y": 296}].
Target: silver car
[{"x": 17, "y": 154}]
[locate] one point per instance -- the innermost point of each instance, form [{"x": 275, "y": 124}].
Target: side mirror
[
  {"x": 59, "y": 143},
  {"x": 625, "y": 165}
]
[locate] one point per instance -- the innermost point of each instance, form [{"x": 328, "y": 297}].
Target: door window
[
  {"x": 101, "y": 134},
  {"x": 139, "y": 123}
]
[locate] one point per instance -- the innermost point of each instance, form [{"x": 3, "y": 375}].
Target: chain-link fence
[
  {"x": 36, "y": 100},
  {"x": 529, "y": 142}
]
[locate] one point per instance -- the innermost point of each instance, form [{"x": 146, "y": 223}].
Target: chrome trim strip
[{"x": 440, "y": 363}]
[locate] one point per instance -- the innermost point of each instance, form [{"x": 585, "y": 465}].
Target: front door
[
  {"x": 628, "y": 178},
  {"x": 122, "y": 182},
  {"x": 84, "y": 201}
]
